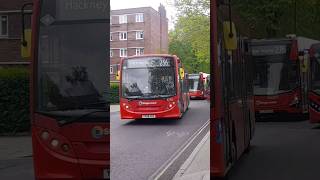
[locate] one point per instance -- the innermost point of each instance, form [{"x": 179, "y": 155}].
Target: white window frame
[
  {"x": 7, "y": 29},
  {"x": 111, "y": 69},
  {"x": 110, "y": 20},
  {"x": 123, "y": 19},
  {"x": 138, "y": 35},
  {"x": 111, "y": 53},
  {"x": 121, "y": 52},
  {"x": 138, "y": 51},
  {"x": 139, "y": 17},
  {"x": 120, "y": 36}
]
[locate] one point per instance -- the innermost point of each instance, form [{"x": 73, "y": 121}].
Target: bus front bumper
[{"x": 162, "y": 114}]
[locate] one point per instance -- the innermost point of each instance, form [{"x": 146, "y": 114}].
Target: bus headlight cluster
[
  {"x": 295, "y": 101},
  {"x": 55, "y": 141},
  {"x": 315, "y": 106},
  {"x": 126, "y": 106}
]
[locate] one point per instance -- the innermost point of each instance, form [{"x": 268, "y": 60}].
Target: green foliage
[
  {"x": 14, "y": 100},
  {"x": 275, "y": 18},
  {"x": 190, "y": 39},
  {"x": 114, "y": 93}
]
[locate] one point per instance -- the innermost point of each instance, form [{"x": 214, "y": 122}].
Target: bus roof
[{"x": 151, "y": 55}]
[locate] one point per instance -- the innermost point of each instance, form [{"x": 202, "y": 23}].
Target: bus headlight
[
  {"x": 295, "y": 101},
  {"x": 45, "y": 135},
  {"x": 54, "y": 142}
]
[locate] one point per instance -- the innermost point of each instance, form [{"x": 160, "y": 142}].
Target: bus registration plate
[
  {"x": 266, "y": 111},
  {"x": 148, "y": 116}
]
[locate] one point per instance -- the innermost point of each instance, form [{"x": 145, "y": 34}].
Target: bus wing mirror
[
  {"x": 182, "y": 74},
  {"x": 26, "y": 34},
  {"x": 230, "y": 35},
  {"x": 26, "y": 44},
  {"x": 118, "y": 76}
]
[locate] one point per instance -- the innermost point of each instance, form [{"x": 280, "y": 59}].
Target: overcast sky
[{"x": 123, "y": 4}]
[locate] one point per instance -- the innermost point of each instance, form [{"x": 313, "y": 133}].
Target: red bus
[
  {"x": 277, "y": 86},
  {"x": 152, "y": 86},
  {"x": 197, "y": 83},
  {"x": 68, "y": 89},
  {"x": 314, "y": 91},
  {"x": 232, "y": 100}
]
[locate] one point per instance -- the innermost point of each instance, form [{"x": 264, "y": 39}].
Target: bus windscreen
[
  {"x": 274, "y": 74},
  {"x": 148, "y": 78}
]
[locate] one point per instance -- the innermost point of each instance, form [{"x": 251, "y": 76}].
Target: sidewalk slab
[
  {"x": 197, "y": 166},
  {"x": 115, "y": 108}
]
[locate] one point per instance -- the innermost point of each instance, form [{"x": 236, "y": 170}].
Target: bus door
[{"x": 182, "y": 92}]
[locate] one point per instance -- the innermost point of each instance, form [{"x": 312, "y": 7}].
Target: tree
[
  {"x": 190, "y": 39},
  {"x": 275, "y": 18}
]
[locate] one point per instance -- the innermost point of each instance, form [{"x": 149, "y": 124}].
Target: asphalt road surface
[
  {"x": 281, "y": 151},
  {"x": 139, "y": 148}
]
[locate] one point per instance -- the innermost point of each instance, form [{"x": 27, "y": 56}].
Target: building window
[
  {"x": 111, "y": 53},
  {"x": 3, "y": 25},
  {"x": 122, "y": 19},
  {"x": 139, "y": 35},
  {"x": 123, "y": 52},
  {"x": 111, "y": 69},
  {"x": 139, "y": 51},
  {"x": 110, "y": 20},
  {"x": 123, "y": 36},
  {"x": 110, "y": 37},
  {"x": 139, "y": 17}
]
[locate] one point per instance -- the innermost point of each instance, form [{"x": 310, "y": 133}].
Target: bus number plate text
[
  {"x": 266, "y": 111},
  {"x": 148, "y": 116}
]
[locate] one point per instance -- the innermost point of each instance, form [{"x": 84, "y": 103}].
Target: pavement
[
  {"x": 114, "y": 108},
  {"x": 197, "y": 166}
]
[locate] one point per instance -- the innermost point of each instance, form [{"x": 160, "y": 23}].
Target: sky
[{"x": 123, "y": 4}]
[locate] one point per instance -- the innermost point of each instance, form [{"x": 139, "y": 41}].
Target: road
[
  {"x": 139, "y": 148},
  {"x": 16, "y": 158},
  {"x": 281, "y": 151}
]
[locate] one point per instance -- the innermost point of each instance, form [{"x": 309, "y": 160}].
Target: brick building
[
  {"x": 10, "y": 32},
  {"x": 137, "y": 31}
]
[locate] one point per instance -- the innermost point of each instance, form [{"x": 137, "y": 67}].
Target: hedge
[
  {"x": 14, "y": 100},
  {"x": 114, "y": 93}
]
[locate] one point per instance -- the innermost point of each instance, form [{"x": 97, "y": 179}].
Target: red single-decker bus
[
  {"x": 68, "y": 88},
  {"x": 152, "y": 86}
]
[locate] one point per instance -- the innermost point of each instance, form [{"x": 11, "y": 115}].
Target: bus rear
[
  {"x": 314, "y": 92},
  {"x": 196, "y": 86},
  {"x": 277, "y": 86},
  {"x": 152, "y": 86}
]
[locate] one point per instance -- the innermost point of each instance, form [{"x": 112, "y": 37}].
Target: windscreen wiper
[{"x": 76, "y": 119}]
